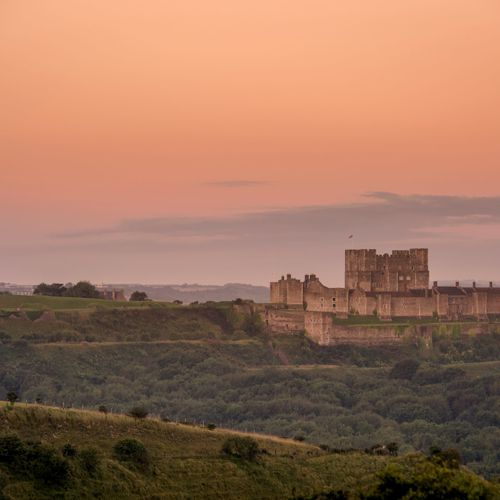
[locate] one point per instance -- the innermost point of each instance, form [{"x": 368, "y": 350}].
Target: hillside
[
  {"x": 216, "y": 363},
  {"x": 77, "y": 458}
]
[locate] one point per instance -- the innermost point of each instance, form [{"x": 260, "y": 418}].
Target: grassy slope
[{"x": 186, "y": 461}]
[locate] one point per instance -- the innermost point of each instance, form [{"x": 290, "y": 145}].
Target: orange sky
[{"x": 123, "y": 109}]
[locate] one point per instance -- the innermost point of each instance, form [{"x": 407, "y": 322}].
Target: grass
[{"x": 186, "y": 460}]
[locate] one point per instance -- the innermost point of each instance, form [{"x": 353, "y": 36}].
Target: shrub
[
  {"x": 245, "y": 448},
  {"x": 11, "y": 448},
  {"x": 131, "y": 451},
  {"x": 253, "y": 324},
  {"x": 405, "y": 369},
  {"x": 103, "y": 409},
  {"x": 139, "y": 296},
  {"x": 68, "y": 450},
  {"x": 393, "y": 448},
  {"x": 12, "y": 397},
  {"x": 426, "y": 479},
  {"x": 299, "y": 438},
  {"x": 211, "y": 427},
  {"x": 449, "y": 457},
  {"x": 44, "y": 464}
]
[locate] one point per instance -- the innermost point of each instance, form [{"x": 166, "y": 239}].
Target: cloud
[
  {"x": 380, "y": 217},
  {"x": 462, "y": 233},
  {"x": 236, "y": 183}
]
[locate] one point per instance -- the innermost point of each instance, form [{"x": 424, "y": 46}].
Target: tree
[
  {"x": 138, "y": 296},
  {"x": 53, "y": 290},
  {"x": 421, "y": 479},
  {"x": 12, "y": 397},
  {"x": 449, "y": 457},
  {"x": 393, "y": 448},
  {"x": 84, "y": 289},
  {"x": 405, "y": 369},
  {"x": 103, "y": 409},
  {"x": 253, "y": 324},
  {"x": 138, "y": 412}
]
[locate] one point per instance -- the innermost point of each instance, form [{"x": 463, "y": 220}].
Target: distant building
[{"x": 117, "y": 294}]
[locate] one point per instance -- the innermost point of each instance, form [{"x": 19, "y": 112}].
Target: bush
[
  {"x": 449, "y": 457},
  {"x": 11, "y": 448},
  {"x": 211, "y": 427},
  {"x": 12, "y": 397},
  {"x": 90, "y": 460},
  {"x": 68, "y": 450},
  {"x": 253, "y": 324},
  {"x": 44, "y": 464},
  {"x": 405, "y": 369},
  {"x": 245, "y": 448},
  {"x": 131, "y": 451},
  {"x": 138, "y": 296},
  {"x": 138, "y": 412},
  {"x": 103, "y": 409},
  {"x": 425, "y": 479}
]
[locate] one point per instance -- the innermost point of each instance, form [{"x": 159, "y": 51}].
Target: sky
[{"x": 211, "y": 142}]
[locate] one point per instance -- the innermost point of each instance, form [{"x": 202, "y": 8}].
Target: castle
[{"x": 388, "y": 287}]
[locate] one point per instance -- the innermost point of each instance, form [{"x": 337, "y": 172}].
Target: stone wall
[
  {"x": 283, "y": 321},
  {"x": 322, "y": 330},
  {"x": 418, "y": 307}
]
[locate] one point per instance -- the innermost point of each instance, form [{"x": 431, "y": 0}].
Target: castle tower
[{"x": 400, "y": 271}]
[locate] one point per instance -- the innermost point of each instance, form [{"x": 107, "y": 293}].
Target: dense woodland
[{"x": 214, "y": 364}]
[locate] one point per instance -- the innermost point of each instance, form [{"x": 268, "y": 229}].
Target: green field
[{"x": 43, "y": 303}]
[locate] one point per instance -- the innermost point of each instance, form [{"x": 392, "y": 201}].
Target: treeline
[{"x": 82, "y": 289}]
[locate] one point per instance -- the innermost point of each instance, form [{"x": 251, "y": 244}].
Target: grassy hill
[
  {"x": 185, "y": 461},
  {"x": 182, "y": 461}
]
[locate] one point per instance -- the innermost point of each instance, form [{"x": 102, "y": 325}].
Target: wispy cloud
[
  {"x": 381, "y": 217},
  {"x": 462, "y": 233},
  {"x": 240, "y": 183}
]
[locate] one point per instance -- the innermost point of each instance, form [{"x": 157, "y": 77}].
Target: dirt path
[{"x": 214, "y": 342}]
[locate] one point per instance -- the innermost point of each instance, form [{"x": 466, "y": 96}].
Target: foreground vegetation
[
  {"x": 54, "y": 453},
  {"x": 214, "y": 364}
]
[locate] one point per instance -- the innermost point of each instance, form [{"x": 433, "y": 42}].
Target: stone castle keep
[{"x": 388, "y": 287}]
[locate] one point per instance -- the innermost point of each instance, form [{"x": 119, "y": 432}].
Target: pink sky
[{"x": 120, "y": 109}]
